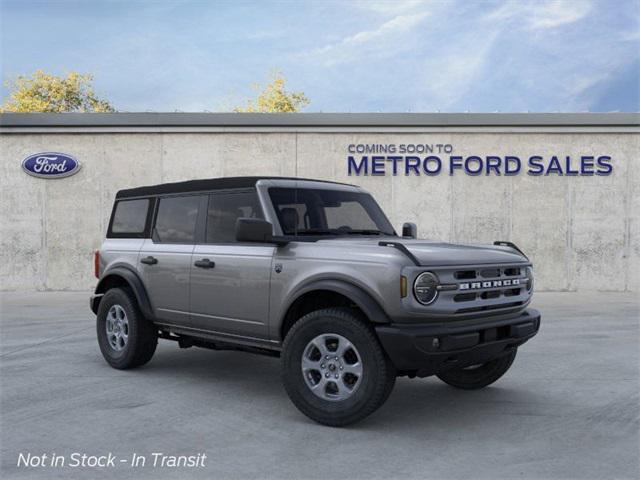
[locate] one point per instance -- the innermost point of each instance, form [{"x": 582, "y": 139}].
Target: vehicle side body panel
[
  {"x": 232, "y": 296},
  {"x": 167, "y": 281}
]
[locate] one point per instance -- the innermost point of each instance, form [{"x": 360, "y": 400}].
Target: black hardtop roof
[{"x": 205, "y": 185}]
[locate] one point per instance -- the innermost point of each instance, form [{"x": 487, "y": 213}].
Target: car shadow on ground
[{"x": 414, "y": 403}]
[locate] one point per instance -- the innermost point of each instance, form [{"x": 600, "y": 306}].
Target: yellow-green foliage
[
  {"x": 275, "y": 99},
  {"x": 42, "y": 92}
]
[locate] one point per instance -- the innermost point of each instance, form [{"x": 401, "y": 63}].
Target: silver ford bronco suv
[{"x": 312, "y": 272}]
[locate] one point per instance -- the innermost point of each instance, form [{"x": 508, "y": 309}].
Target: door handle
[
  {"x": 204, "y": 263},
  {"x": 149, "y": 260}
]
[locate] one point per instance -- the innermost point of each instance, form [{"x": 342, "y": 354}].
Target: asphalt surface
[{"x": 568, "y": 408}]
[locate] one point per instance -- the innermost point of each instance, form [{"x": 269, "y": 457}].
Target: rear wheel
[
  {"x": 479, "y": 376},
  {"x": 334, "y": 369},
  {"x": 126, "y": 338}
]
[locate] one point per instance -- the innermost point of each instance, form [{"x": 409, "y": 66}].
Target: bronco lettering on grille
[{"x": 489, "y": 284}]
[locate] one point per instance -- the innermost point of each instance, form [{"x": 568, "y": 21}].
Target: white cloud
[
  {"x": 580, "y": 83},
  {"x": 384, "y": 40},
  {"x": 390, "y": 7},
  {"x": 565, "y": 70},
  {"x": 451, "y": 74},
  {"x": 556, "y": 13},
  {"x": 630, "y": 36},
  {"x": 538, "y": 15}
]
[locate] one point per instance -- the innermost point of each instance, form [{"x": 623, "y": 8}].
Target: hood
[{"x": 434, "y": 254}]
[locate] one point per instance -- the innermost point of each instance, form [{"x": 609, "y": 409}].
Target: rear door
[
  {"x": 165, "y": 259},
  {"x": 230, "y": 280}
]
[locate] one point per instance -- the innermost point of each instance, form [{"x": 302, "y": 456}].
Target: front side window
[
  {"x": 130, "y": 216},
  {"x": 328, "y": 212},
  {"x": 225, "y": 209},
  {"x": 176, "y": 219}
]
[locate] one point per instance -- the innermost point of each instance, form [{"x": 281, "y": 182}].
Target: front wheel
[
  {"x": 479, "y": 376},
  {"x": 334, "y": 369}
]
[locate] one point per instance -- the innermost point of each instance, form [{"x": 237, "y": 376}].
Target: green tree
[
  {"x": 42, "y": 92},
  {"x": 275, "y": 99}
]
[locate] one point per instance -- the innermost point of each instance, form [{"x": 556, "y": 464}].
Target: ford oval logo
[{"x": 50, "y": 165}]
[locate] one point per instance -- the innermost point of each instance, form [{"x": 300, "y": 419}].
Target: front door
[
  {"x": 230, "y": 280},
  {"x": 165, "y": 259}
]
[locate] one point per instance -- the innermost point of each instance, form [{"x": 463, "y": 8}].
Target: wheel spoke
[
  {"x": 321, "y": 345},
  {"x": 354, "y": 369},
  {"x": 320, "y": 386},
  {"x": 342, "y": 391},
  {"x": 347, "y": 386},
  {"x": 343, "y": 347},
  {"x": 308, "y": 364}
]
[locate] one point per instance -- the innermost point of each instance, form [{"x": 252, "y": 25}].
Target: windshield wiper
[
  {"x": 364, "y": 232},
  {"x": 316, "y": 231},
  {"x": 336, "y": 231}
]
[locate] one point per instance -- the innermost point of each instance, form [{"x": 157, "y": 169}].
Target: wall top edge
[
  {"x": 315, "y": 120},
  {"x": 316, "y": 130}
]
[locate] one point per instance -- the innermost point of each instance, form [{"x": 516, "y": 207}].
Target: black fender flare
[
  {"x": 365, "y": 302},
  {"x": 133, "y": 281}
]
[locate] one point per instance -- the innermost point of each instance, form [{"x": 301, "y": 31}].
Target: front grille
[
  {"x": 490, "y": 272},
  {"x": 489, "y": 288},
  {"x": 484, "y": 288},
  {"x": 464, "y": 297},
  {"x": 466, "y": 274}
]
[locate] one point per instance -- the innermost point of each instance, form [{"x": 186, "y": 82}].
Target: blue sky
[{"x": 357, "y": 56}]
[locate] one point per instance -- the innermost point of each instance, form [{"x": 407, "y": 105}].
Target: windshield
[{"x": 328, "y": 212}]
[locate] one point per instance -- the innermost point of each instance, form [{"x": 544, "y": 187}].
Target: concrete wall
[{"x": 582, "y": 233}]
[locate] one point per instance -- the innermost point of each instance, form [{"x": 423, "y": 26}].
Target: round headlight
[
  {"x": 425, "y": 288},
  {"x": 529, "y": 273}
]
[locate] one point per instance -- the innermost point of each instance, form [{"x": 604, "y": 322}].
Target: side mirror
[
  {"x": 409, "y": 230},
  {"x": 256, "y": 230}
]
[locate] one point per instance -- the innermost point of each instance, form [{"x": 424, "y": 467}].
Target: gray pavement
[{"x": 568, "y": 408}]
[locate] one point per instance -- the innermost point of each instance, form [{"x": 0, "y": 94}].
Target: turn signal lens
[
  {"x": 403, "y": 286},
  {"x": 96, "y": 263}
]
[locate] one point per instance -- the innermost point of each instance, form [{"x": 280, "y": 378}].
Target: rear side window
[
  {"x": 225, "y": 209},
  {"x": 130, "y": 217},
  {"x": 176, "y": 219}
]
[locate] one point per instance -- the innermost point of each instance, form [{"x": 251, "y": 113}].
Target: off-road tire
[
  {"x": 142, "y": 335},
  {"x": 378, "y": 376},
  {"x": 480, "y": 377}
]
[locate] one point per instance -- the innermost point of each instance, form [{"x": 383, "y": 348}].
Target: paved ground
[{"x": 569, "y": 407}]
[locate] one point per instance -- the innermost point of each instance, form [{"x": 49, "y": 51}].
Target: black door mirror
[
  {"x": 409, "y": 230},
  {"x": 256, "y": 230}
]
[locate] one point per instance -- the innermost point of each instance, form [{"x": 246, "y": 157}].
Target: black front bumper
[{"x": 427, "y": 349}]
